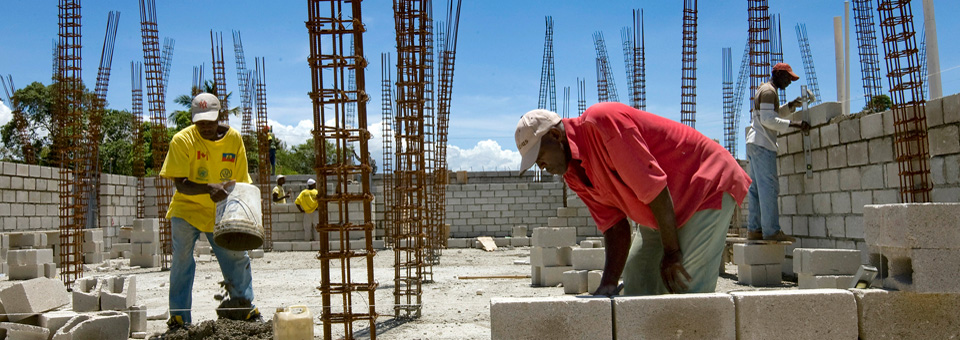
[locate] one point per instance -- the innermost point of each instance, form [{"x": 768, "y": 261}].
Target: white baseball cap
[
  {"x": 532, "y": 126},
  {"x": 311, "y": 181},
  {"x": 205, "y": 106}
]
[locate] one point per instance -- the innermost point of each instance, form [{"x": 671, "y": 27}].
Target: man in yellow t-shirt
[
  {"x": 307, "y": 203},
  {"x": 205, "y": 161},
  {"x": 279, "y": 195}
]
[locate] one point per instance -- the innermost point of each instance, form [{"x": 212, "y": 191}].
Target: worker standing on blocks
[
  {"x": 766, "y": 119},
  {"x": 678, "y": 185},
  {"x": 204, "y": 161}
]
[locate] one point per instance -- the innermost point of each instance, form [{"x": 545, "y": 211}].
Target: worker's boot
[
  {"x": 238, "y": 309},
  {"x": 779, "y": 237},
  {"x": 176, "y": 322},
  {"x": 754, "y": 235}
]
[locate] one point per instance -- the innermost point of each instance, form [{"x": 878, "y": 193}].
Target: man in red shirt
[{"x": 678, "y": 185}]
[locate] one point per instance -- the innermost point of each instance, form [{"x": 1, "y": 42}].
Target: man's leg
[
  {"x": 273, "y": 161},
  {"x": 753, "y": 198},
  {"x": 768, "y": 188},
  {"x": 235, "y": 267},
  {"x": 308, "y": 225},
  {"x": 182, "y": 269},
  {"x": 641, "y": 273}
]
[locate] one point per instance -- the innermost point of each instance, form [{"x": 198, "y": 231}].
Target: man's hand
[
  {"x": 218, "y": 191},
  {"x": 287, "y": 195},
  {"x": 671, "y": 267},
  {"x": 803, "y": 126},
  {"x": 300, "y": 208},
  {"x": 607, "y": 289}
]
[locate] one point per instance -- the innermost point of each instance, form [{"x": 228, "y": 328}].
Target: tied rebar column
[
  {"x": 548, "y": 74},
  {"x": 166, "y": 59},
  {"x": 136, "y": 86},
  {"x": 738, "y": 95},
  {"x": 411, "y": 19},
  {"x": 91, "y": 178},
  {"x": 386, "y": 105},
  {"x": 867, "y": 46},
  {"x": 158, "y": 120},
  {"x": 606, "y": 88},
  {"x": 348, "y": 298},
  {"x": 431, "y": 227},
  {"x": 729, "y": 131},
  {"x": 448, "y": 53},
  {"x": 759, "y": 35},
  {"x": 219, "y": 76},
  {"x": 776, "y": 50},
  {"x": 68, "y": 120},
  {"x": 259, "y": 82},
  {"x": 634, "y": 60},
  {"x": 246, "y": 95},
  {"x": 906, "y": 93},
  {"x": 809, "y": 70},
  {"x": 581, "y": 96},
  {"x": 688, "y": 80}
]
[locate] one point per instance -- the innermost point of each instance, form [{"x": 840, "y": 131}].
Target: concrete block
[
  {"x": 19, "y": 331},
  {"x": 829, "y": 135},
  {"x": 28, "y": 240},
  {"x": 151, "y": 261},
  {"x": 803, "y": 314},
  {"x": 550, "y": 257},
  {"x": 23, "y": 257},
  {"x": 501, "y": 241},
  {"x": 552, "y": 276},
  {"x": 912, "y": 225},
  {"x": 808, "y": 281},
  {"x": 880, "y": 150},
  {"x": 145, "y": 236},
  {"x": 146, "y": 224},
  {"x": 520, "y": 241},
  {"x": 536, "y": 276},
  {"x": 519, "y": 231},
  {"x": 849, "y": 130},
  {"x": 871, "y": 126},
  {"x": 554, "y": 237},
  {"x": 102, "y": 325},
  {"x": 574, "y": 281},
  {"x": 593, "y": 280},
  {"x": 814, "y": 261},
  {"x": 138, "y": 318},
  {"x": 25, "y": 272},
  {"x": 54, "y": 320},
  {"x": 255, "y": 253},
  {"x": 458, "y": 243},
  {"x": 705, "y": 316},
  {"x": 86, "y": 294},
  {"x": 760, "y": 274},
  {"x": 93, "y": 258},
  {"x": 589, "y": 258},
  {"x": 750, "y": 254},
  {"x": 951, "y": 108},
  {"x": 557, "y": 222},
  {"x": 944, "y": 140},
  {"x": 144, "y": 248},
  {"x": 824, "y": 112},
  {"x": 917, "y": 270},
  {"x": 50, "y": 270},
  {"x": 886, "y": 314},
  {"x": 32, "y": 297},
  {"x": 550, "y": 318}
]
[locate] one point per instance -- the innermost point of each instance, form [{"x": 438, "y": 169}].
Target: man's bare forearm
[
  {"x": 187, "y": 187},
  {"x": 617, "y": 242}
]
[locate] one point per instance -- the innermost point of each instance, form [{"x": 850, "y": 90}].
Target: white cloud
[
  {"x": 5, "y": 114},
  {"x": 486, "y": 155}
]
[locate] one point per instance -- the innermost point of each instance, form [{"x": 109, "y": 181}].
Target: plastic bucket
[
  {"x": 293, "y": 323},
  {"x": 239, "y": 223}
]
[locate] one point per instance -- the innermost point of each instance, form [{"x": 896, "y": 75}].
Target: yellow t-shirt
[
  {"x": 308, "y": 200},
  {"x": 203, "y": 161},
  {"x": 278, "y": 190}
]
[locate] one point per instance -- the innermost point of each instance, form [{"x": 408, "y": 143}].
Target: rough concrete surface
[
  {"x": 905, "y": 315},
  {"x": 682, "y": 316}
]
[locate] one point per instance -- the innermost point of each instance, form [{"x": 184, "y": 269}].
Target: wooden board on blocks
[{"x": 487, "y": 243}]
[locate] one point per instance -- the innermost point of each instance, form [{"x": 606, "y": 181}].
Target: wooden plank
[
  {"x": 494, "y": 277},
  {"x": 487, "y": 243}
]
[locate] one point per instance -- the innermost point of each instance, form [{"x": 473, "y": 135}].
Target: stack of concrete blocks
[
  {"x": 576, "y": 215},
  {"x": 28, "y": 197},
  {"x": 145, "y": 241},
  {"x": 519, "y": 236},
  {"x": 109, "y": 293},
  {"x": 28, "y": 256},
  {"x": 915, "y": 246},
  {"x": 825, "y": 268},
  {"x": 586, "y": 260},
  {"x": 551, "y": 254},
  {"x": 101, "y": 325},
  {"x": 122, "y": 247},
  {"x": 759, "y": 264},
  {"x": 202, "y": 249},
  {"x": 92, "y": 246},
  {"x": 24, "y": 301},
  {"x": 118, "y": 204}
]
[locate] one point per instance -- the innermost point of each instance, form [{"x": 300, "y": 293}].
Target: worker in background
[
  {"x": 766, "y": 119},
  {"x": 307, "y": 203},
  {"x": 280, "y": 196},
  {"x": 677, "y": 184},
  {"x": 273, "y": 142},
  {"x": 205, "y": 160}
]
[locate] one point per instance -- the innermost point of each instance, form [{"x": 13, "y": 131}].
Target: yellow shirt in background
[
  {"x": 308, "y": 200},
  {"x": 278, "y": 190},
  {"x": 203, "y": 161}
]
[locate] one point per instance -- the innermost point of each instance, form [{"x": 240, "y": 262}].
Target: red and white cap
[
  {"x": 532, "y": 126},
  {"x": 205, "y": 106},
  {"x": 786, "y": 67}
]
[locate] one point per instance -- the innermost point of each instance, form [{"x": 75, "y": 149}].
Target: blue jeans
[
  {"x": 764, "y": 213},
  {"x": 235, "y": 266}
]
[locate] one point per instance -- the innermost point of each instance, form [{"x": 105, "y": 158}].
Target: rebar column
[
  {"x": 809, "y": 70},
  {"x": 166, "y": 59},
  {"x": 606, "y": 88},
  {"x": 581, "y": 96},
  {"x": 548, "y": 74},
  {"x": 759, "y": 35},
  {"x": 729, "y": 131},
  {"x": 68, "y": 120},
  {"x": 246, "y": 96},
  {"x": 688, "y": 80},
  {"x": 633, "y": 59},
  {"x": 738, "y": 91},
  {"x": 263, "y": 148},
  {"x": 448, "y": 53},
  {"x": 348, "y": 298},
  {"x": 867, "y": 46},
  {"x": 91, "y": 178},
  {"x": 158, "y": 119},
  {"x": 909, "y": 107},
  {"x": 219, "y": 76},
  {"x": 136, "y": 86},
  {"x": 641, "y": 66},
  {"x": 386, "y": 124},
  {"x": 431, "y": 226},
  {"x": 776, "y": 49}
]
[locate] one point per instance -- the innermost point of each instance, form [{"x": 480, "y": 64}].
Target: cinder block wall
[
  {"x": 854, "y": 164},
  {"x": 29, "y": 197}
]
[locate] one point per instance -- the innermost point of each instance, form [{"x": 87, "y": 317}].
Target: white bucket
[{"x": 239, "y": 223}]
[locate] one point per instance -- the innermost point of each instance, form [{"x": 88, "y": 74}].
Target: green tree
[
  {"x": 301, "y": 158},
  {"x": 879, "y": 103}
]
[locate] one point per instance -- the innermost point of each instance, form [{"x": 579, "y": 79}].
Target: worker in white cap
[
  {"x": 279, "y": 194},
  {"x": 204, "y": 161},
  {"x": 679, "y": 186},
  {"x": 307, "y": 203}
]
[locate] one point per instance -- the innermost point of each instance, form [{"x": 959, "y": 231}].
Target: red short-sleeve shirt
[{"x": 629, "y": 156}]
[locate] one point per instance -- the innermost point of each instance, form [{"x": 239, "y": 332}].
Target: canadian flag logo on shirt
[{"x": 201, "y": 155}]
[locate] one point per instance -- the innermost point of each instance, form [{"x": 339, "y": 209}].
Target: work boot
[
  {"x": 754, "y": 235},
  {"x": 176, "y": 322},
  {"x": 779, "y": 237}
]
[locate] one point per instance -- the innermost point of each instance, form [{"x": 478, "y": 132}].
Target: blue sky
[{"x": 498, "y": 58}]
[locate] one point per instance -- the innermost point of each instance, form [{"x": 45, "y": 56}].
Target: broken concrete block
[
  {"x": 554, "y": 237},
  {"x": 550, "y": 257},
  {"x": 574, "y": 281},
  {"x": 750, "y": 254},
  {"x": 536, "y": 277},
  {"x": 588, "y": 258},
  {"x": 119, "y": 293},
  {"x": 32, "y": 297},
  {"x": 552, "y": 276},
  {"x": 759, "y": 274},
  {"x": 22, "y": 257},
  {"x": 255, "y": 254},
  {"x": 519, "y": 231},
  {"x": 912, "y": 225},
  {"x": 25, "y": 272},
  {"x": 804, "y": 314},
  {"x": 887, "y": 314},
  {"x": 917, "y": 270},
  {"x": 86, "y": 294},
  {"x": 102, "y": 325},
  {"x": 593, "y": 280},
  {"x": 50, "y": 270},
  {"x": 808, "y": 281},
  {"x": 815, "y": 261},
  {"x": 550, "y": 318},
  {"x": 520, "y": 241},
  {"x": 158, "y": 314},
  {"x": 18, "y": 331},
  {"x": 54, "y": 320},
  {"x": 92, "y": 258},
  {"x": 138, "y": 318},
  {"x": 643, "y": 317}
]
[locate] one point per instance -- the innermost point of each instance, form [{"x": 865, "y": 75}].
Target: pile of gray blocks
[
  {"x": 518, "y": 237},
  {"x": 122, "y": 247},
  {"x": 759, "y": 264},
  {"x": 145, "y": 243},
  {"x": 825, "y": 268},
  {"x": 23, "y": 304},
  {"x": 769, "y": 314},
  {"x": 92, "y": 246},
  {"x": 27, "y": 255},
  {"x": 588, "y": 261},
  {"x": 110, "y": 293},
  {"x": 915, "y": 246},
  {"x": 551, "y": 254}
]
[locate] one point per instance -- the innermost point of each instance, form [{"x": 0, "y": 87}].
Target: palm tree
[{"x": 182, "y": 118}]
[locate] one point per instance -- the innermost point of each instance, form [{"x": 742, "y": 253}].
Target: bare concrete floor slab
[{"x": 452, "y": 308}]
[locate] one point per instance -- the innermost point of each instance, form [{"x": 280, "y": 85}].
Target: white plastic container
[
  {"x": 239, "y": 221},
  {"x": 293, "y": 323}
]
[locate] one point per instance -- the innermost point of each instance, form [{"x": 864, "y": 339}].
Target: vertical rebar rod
[
  {"x": 759, "y": 33},
  {"x": 219, "y": 76},
  {"x": 246, "y": 96},
  {"x": 581, "y": 96},
  {"x": 867, "y": 46},
  {"x": 809, "y": 70},
  {"x": 547, "y": 71},
  {"x": 91, "y": 178},
  {"x": 688, "y": 80},
  {"x": 604, "y": 71},
  {"x": 68, "y": 120},
  {"x": 776, "y": 49},
  {"x": 136, "y": 86},
  {"x": 386, "y": 124},
  {"x": 729, "y": 131},
  {"x": 263, "y": 147}
]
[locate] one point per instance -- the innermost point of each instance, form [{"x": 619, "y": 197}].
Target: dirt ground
[{"x": 452, "y": 308}]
